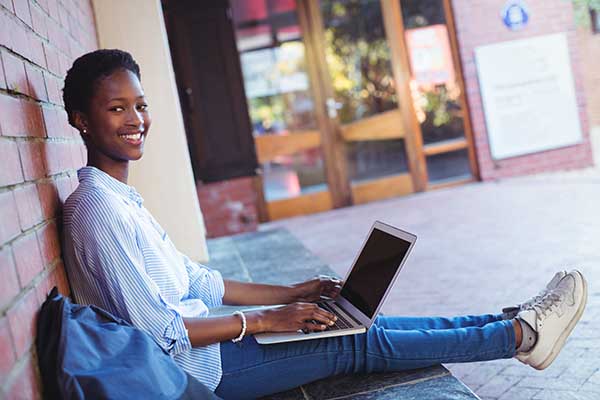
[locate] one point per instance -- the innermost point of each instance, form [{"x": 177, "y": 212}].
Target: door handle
[{"x": 189, "y": 98}]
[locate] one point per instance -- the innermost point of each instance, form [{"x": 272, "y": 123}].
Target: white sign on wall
[{"x": 528, "y": 95}]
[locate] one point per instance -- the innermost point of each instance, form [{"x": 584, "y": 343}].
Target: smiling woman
[{"x": 105, "y": 101}]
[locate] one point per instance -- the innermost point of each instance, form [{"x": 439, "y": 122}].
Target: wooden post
[
  {"x": 464, "y": 105},
  {"x": 394, "y": 30},
  {"x": 309, "y": 16}
]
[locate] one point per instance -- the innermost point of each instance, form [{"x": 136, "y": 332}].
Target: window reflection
[
  {"x": 358, "y": 58},
  {"x": 434, "y": 84},
  {"x": 276, "y": 82}
]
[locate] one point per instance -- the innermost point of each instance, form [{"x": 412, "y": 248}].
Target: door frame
[{"x": 333, "y": 137}]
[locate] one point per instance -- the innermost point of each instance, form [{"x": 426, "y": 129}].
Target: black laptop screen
[{"x": 374, "y": 270}]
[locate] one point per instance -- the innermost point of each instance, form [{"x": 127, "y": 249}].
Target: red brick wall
[
  {"x": 479, "y": 23},
  {"x": 39, "y": 154},
  {"x": 590, "y": 54},
  {"x": 228, "y": 207}
]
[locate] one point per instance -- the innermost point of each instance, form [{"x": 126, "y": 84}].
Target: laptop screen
[{"x": 375, "y": 268}]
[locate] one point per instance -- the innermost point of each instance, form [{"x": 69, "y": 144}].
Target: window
[{"x": 595, "y": 14}]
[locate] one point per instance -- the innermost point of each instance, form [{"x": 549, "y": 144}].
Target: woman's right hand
[{"x": 307, "y": 317}]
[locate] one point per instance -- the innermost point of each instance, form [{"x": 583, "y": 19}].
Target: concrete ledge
[{"x": 276, "y": 256}]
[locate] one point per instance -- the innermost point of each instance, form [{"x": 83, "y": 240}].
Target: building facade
[{"x": 338, "y": 103}]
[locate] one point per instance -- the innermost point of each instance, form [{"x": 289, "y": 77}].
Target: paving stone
[
  {"x": 497, "y": 386},
  {"x": 519, "y": 394},
  {"x": 592, "y": 388},
  {"x": 564, "y": 383},
  {"x": 564, "y": 395}
]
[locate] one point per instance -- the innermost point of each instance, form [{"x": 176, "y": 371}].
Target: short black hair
[{"x": 83, "y": 76}]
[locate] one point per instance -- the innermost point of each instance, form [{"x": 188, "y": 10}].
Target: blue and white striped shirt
[{"x": 119, "y": 258}]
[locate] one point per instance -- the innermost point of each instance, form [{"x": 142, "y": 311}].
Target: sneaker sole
[{"x": 563, "y": 337}]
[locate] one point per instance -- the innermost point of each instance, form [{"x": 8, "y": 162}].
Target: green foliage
[{"x": 581, "y": 10}]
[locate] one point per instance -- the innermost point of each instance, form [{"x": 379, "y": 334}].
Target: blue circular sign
[{"x": 515, "y": 15}]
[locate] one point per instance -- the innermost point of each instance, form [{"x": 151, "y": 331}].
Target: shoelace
[{"x": 547, "y": 304}]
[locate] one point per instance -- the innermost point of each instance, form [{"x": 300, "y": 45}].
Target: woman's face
[{"x": 118, "y": 118}]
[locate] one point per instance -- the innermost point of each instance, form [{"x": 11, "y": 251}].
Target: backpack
[{"x": 84, "y": 352}]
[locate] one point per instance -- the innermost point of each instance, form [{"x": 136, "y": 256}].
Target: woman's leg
[
  {"x": 408, "y": 323},
  {"x": 251, "y": 370}
]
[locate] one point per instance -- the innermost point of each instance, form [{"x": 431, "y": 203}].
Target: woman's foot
[
  {"x": 511, "y": 312},
  {"x": 552, "y": 318}
]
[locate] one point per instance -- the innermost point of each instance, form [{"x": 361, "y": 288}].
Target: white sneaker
[
  {"x": 553, "y": 318},
  {"x": 511, "y": 312}
]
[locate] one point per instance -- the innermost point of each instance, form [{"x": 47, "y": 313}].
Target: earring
[{"x": 84, "y": 131}]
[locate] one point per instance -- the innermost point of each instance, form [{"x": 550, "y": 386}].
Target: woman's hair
[{"x": 83, "y": 76}]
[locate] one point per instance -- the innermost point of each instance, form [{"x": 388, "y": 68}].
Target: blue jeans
[{"x": 251, "y": 370}]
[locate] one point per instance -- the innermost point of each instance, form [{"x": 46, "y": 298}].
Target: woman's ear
[{"x": 80, "y": 122}]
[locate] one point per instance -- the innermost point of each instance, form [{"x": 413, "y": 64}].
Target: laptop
[{"x": 365, "y": 287}]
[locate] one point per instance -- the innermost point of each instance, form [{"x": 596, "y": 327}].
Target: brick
[
  {"x": 44, "y": 286},
  {"x": 64, "y": 63},
  {"x": 9, "y": 228},
  {"x": 20, "y": 117},
  {"x": 51, "y": 122},
  {"x": 44, "y": 5},
  {"x": 2, "y": 78},
  {"x": 11, "y": 119},
  {"x": 33, "y": 119},
  {"x": 38, "y": 18},
  {"x": 8, "y": 5},
  {"x": 28, "y": 206},
  {"x": 53, "y": 9},
  {"x": 9, "y": 284},
  {"x": 7, "y": 353},
  {"x": 14, "y": 70},
  {"x": 49, "y": 199},
  {"x": 22, "y": 11},
  {"x": 54, "y": 87},
  {"x": 32, "y": 159},
  {"x": 27, "y": 258},
  {"x": 49, "y": 240},
  {"x": 36, "y": 50},
  {"x": 64, "y": 189},
  {"x": 20, "y": 39},
  {"x": 11, "y": 172},
  {"x": 58, "y": 158},
  {"x": 25, "y": 385},
  {"x": 5, "y": 36},
  {"x": 78, "y": 160},
  {"x": 21, "y": 320},
  {"x": 35, "y": 79},
  {"x": 63, "y": 15},
  {"x": 62, "y": 124},
  {"x": 52, "y": 62}
]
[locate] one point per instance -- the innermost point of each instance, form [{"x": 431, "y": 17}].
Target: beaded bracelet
[{"x": 243, "y": 333}]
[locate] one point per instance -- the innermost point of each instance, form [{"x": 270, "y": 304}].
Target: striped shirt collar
[{"x": 98, "y": 177}]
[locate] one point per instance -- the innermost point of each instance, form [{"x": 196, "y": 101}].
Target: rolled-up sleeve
[
  {"x": 205, "y": 284},
  {"x": 115, "y": 268}
]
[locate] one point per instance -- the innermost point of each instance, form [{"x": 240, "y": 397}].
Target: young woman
[{"x": 119, "y": 258}]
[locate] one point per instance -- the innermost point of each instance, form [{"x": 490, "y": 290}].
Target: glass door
[
  {"x": 437, "y": 91},
  {"x": 364, "y": 100},
  {"x": 271, "y": 44}
]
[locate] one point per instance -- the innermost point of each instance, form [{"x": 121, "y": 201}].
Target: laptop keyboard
[{"x": 341, "y": 323}]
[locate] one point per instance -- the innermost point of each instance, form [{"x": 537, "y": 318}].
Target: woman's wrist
[
  {"x": 255, "y": 321},
  {"x": 294, "y": 294}
]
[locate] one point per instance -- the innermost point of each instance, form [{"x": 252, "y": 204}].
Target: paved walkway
[{"x": 480, "y": 247}]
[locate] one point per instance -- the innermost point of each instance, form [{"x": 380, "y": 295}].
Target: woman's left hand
[{"x": 314, "y": 289}]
